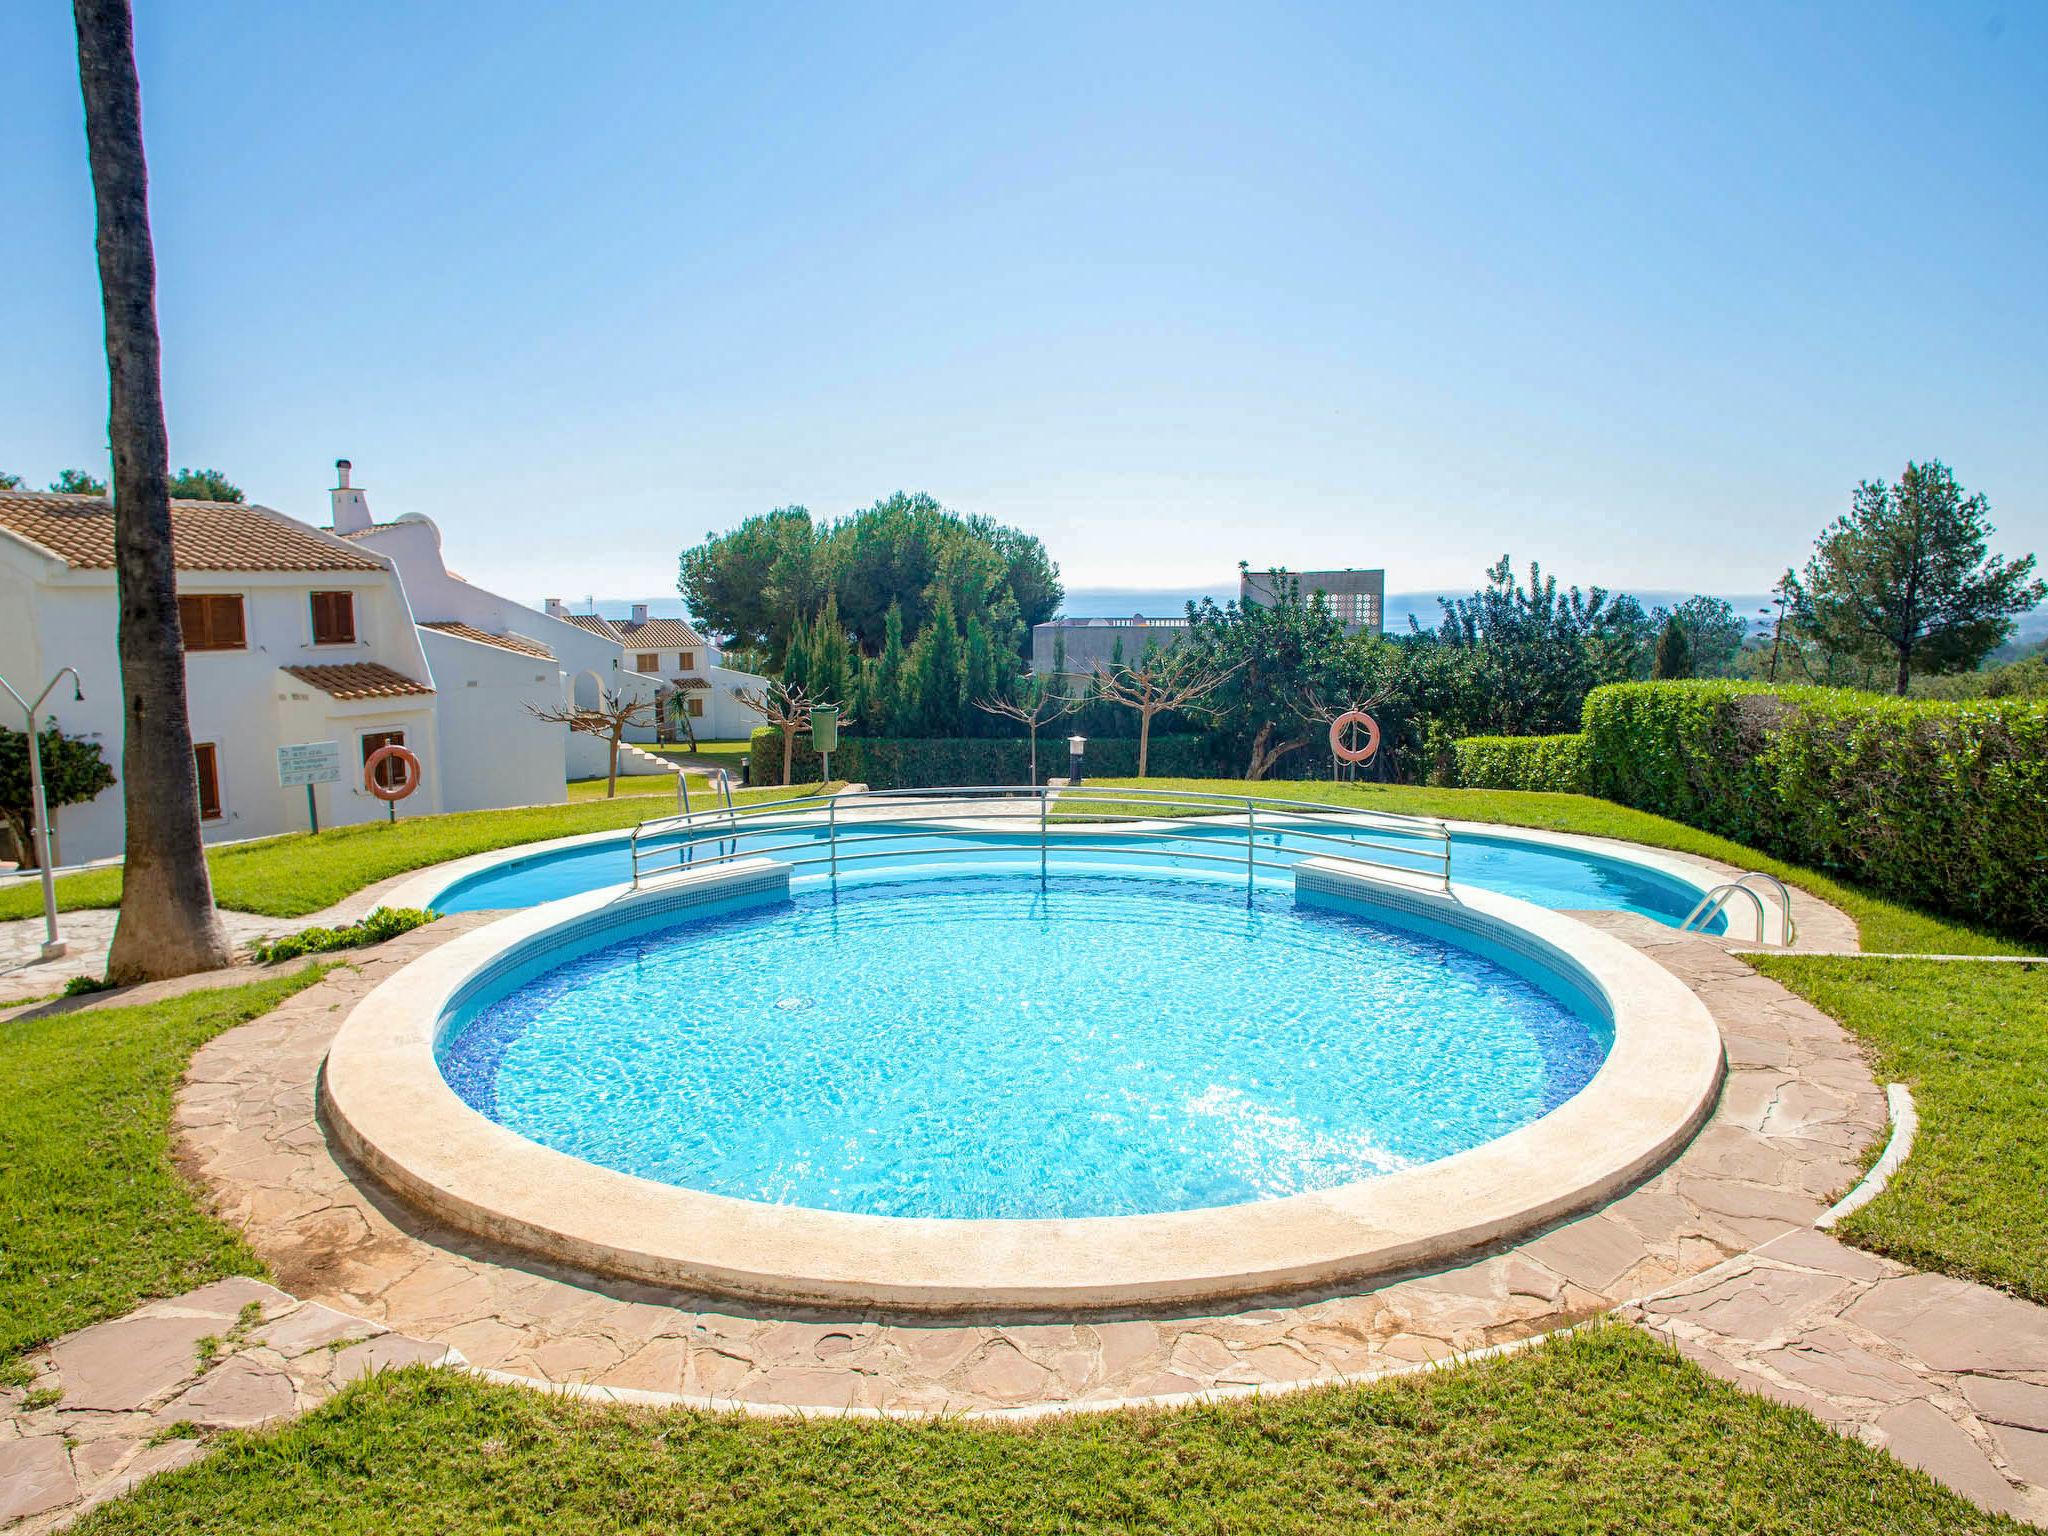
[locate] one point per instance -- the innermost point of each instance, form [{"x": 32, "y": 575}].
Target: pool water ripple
[{"x": 985, "y": 1047}]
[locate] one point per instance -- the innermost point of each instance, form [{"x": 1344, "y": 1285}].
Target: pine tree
[
  {"x": 978, "y": 677},
  {"x": 1674, "y": 652},
  {"x": 831, "y": 665},
  {"x": 796, "y": 662},
  {"x": 936, "y": 664},
  {"x": 888, "y": 708}
]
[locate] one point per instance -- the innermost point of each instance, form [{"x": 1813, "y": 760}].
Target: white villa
[
  {"x": 291, "y": 635},
  {"x": 358, "y": 634},
  {"x": 689, "y": 670}
]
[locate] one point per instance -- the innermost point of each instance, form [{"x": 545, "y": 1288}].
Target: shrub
[
  {"x": 1552, "y": 763},
  {"x": 384, "y": 923},
  {"x": 951, "y": 761},
  {"x": 1944, "y": 805}
]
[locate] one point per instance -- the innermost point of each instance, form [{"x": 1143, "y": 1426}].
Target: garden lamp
[{"x": 1075, "y": 745}]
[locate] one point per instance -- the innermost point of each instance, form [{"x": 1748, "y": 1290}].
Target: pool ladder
[{"x": 1716, "y": 901}]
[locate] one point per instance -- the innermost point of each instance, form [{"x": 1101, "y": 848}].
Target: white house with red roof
[
  {"x": 487, "y": 653},
  {"x": 699, "y": 694},
  {"x": 291, "y": 636}
]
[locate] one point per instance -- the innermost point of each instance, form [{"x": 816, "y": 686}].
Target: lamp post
[
  {"x": 53, "y": 947},
  {"x": 1075, "y": 744}
]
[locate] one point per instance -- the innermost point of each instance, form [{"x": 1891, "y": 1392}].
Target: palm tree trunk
[{"x": 168, "y": 926}]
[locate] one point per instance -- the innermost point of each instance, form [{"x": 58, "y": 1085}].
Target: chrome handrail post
[
  {"x": 1251, "y": 828},
  {"x": 1044, "y": 812},
  {"x": 832, "y": 835}
]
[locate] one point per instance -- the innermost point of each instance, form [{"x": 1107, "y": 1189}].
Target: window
[
  {"x": 206, "y": 763},
  {"x": 334, "y": 618},
  {"x": 212, "y": 621},
  {"x": 697, "y": 708},
  {"x": 686, "y": 661},
  {"x": 389, "y": 773},
  {"x": 647, "y": 661}
]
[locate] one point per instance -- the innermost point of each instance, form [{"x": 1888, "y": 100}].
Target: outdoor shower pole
[{"x": 53, "y": 947}]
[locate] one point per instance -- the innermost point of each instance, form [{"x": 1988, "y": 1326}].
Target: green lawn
[
  {"x": 304, "y": 872},
  {"x": 1605, "y": 1432},
  {"x": 94, "y": 1217},
  {"x": 1971, "y": 1041},
  {"x": 1885, "y": 925}
]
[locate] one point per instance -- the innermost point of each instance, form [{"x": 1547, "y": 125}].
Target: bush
[
  {"x": 1556, "y": 764},
  {"x": 952, "y": 761},
  {"x": 1944, "y": 805},
  {"x": 384, "y": 923}
]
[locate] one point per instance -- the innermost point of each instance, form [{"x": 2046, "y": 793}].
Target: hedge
[
  {"x": 1553, "y": 763},
  {"x": 1941, "y": 804},
  {"x": 939, "y": 761}
]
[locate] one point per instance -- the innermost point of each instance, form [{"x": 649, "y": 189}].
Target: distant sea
[{"x": 1169, "y": 602}]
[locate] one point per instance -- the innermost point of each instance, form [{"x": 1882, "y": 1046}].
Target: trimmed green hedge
[
  {"x": 1944, "y": 805},
  {"x": 1556, "y": 764},
  {"x": 941, "y": 761}
]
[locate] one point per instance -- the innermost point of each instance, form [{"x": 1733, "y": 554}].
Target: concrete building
[
  {"x": 1078, "y": 647},
  {"x": 1357, "y": 598},
  {"x": 291, "y": 635}
]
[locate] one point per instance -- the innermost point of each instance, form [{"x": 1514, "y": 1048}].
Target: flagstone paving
[
  {"x": 1948, "y": 1375},
  {"x": 124, "y": 1400}
]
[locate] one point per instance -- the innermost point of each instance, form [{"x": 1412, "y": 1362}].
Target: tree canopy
[
  {"x": 204, "y": 485},
  {"x": 78, "y": 482},
  {"x": 774, "y": 573},
  {"x": 1905, "y": 580}
]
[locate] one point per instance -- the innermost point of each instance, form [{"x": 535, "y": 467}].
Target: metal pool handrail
[{"x": 671, "y": 844}]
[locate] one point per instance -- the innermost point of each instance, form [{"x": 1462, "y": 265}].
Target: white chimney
[
  {"x": 554, "y": 609},
  {"x": 351, "y": 507},
  {"x": 639, "y": 613}
]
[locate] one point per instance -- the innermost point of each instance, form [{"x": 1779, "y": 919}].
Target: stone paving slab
[
  {"x": 1933, "y": 1369},
  {"x": 122, "y": 1399}
]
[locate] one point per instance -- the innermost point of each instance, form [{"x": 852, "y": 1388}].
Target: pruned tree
[
  {"x": 1038, "y": 701},
  {"x": 1176, "y": 679},
  {"x": 1906, "y": 580},
  {"x": 606, "y": 720},
  {"x": 168, "y": 925},
  {"x": 787, "y": 707}
]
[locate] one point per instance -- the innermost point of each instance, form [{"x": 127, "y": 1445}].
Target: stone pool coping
[{"x": 393, "y": 1112}]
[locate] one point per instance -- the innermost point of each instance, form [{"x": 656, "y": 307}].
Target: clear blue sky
[{"x": 1640, "y": 290}]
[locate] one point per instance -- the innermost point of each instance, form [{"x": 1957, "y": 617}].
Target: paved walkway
[{"x": 119, "y": 1402}]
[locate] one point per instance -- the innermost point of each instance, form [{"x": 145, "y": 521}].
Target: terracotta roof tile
[
  {"x": 205, "y": 535},
  {"x": 690, "y": 684},
  {"x": 358, "y": 680},
  {"x": 519, "y": 643},
  {"x": 669, "y": 634},
  {"x": 593, "y": 623}
]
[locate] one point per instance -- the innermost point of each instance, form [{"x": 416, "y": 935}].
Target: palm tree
[{"x": 168, "y": 925}]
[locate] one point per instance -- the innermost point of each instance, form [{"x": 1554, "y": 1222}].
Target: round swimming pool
[
  {"x": 946, "y": 1091},
  {"x": 987, "y": 1047}
]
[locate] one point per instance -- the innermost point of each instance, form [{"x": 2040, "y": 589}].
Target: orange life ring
[
  {"x": 409, "y": 767},
  {"x": 1342, "y": 724}
]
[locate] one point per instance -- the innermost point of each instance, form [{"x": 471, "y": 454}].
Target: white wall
[
  {"x": 494, "y": 752},
  {"x": 413, "y": 544}
]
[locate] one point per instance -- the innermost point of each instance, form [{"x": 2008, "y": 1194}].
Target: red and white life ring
[
  {"x": 408, "y": 768},
  {"x": 1339, "y": 737}
]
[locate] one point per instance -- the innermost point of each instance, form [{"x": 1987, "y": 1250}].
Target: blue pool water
[
  {"x": 1559, "y": 878},
  {"x": 987, "y": 1047}
]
